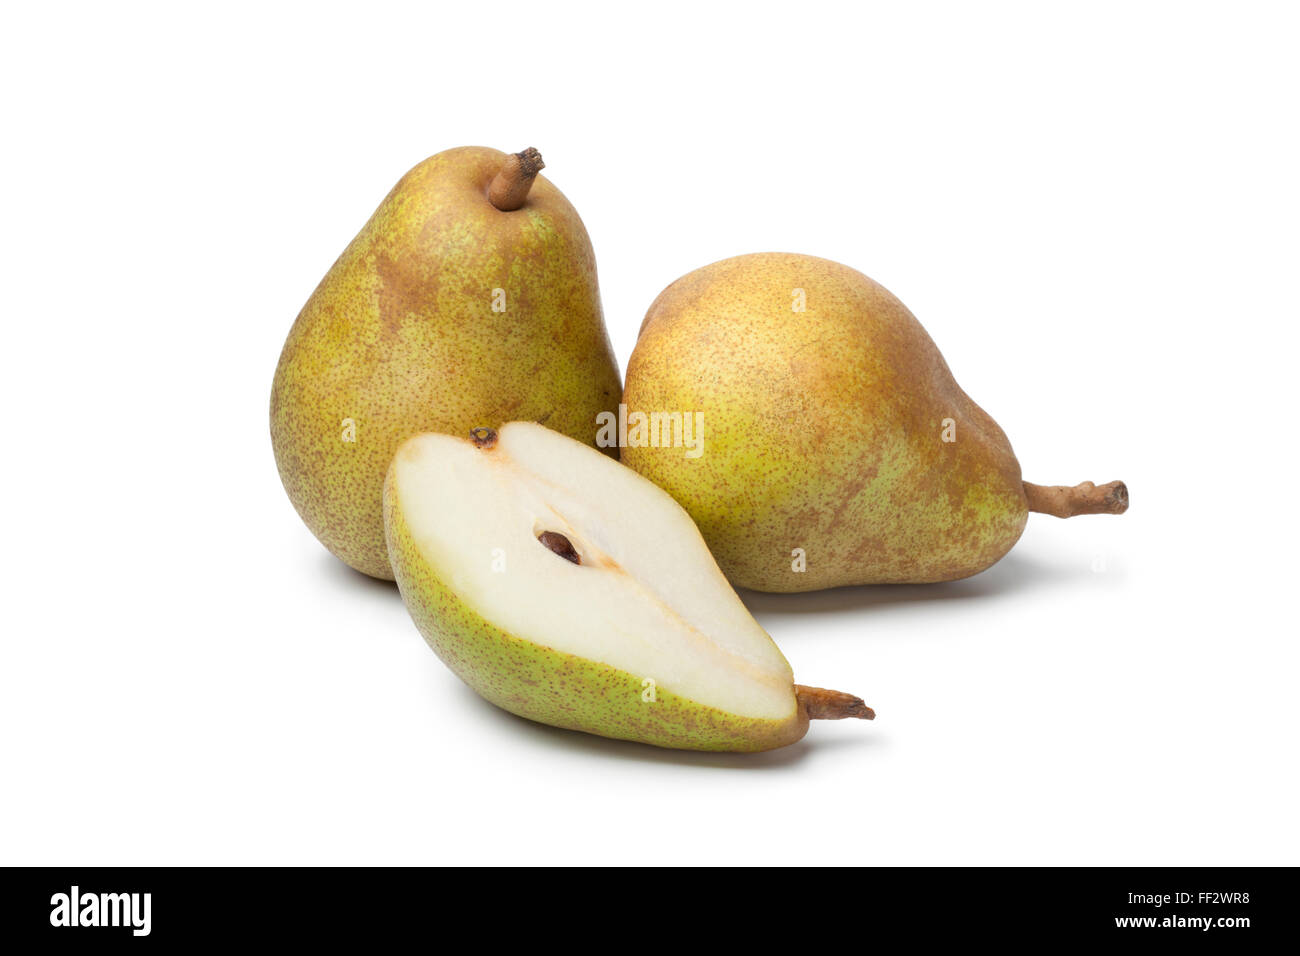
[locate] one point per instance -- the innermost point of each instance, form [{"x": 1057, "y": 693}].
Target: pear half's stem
[
  {"x": 822, "y": 704},
  {"x": 1084, "y": 499},
  {"x": 509, "y": 189}
]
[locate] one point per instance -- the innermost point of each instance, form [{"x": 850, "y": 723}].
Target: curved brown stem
[
  {"x": 1084, "y": 499},
  {"x": 821, "y": 704},
  {"x": 509, "y": 189}
]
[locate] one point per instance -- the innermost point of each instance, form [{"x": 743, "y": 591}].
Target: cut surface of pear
[{"x": 567, "y": 589}]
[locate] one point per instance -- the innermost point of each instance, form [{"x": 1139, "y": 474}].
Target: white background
[{"x": 1093, "y": 210}]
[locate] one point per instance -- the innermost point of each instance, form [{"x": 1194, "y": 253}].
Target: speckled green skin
[
  {"x": 401, "y": 338},
  {"x": 822, "y": 430},
  {"x": 557, "y": 688}
]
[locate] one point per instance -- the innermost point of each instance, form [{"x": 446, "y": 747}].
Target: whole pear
[
  {"x": 836, "y": 446},
  {"x": 469, "y": 298}
]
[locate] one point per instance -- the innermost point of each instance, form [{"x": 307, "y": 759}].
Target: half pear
[{"x": 567, "y": 589}]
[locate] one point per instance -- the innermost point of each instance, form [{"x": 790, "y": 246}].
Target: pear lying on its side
[
  {"x": 469, "y": 298},
  {"x": 837, "y": 448},
  {"x": 567, "y": 589}
]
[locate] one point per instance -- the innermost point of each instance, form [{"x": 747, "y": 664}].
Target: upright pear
[
  {"x": 469, "y": 298},
  {"x": 836, "y": 447}
]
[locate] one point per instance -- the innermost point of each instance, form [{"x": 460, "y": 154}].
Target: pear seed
[{"x": 560, "y": 545}]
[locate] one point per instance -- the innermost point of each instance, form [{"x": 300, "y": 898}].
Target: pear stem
[
  {"x": 509, "y": 189},
  {"x": 1084, "y": 499},
  {"x": 821, "y": 704}
]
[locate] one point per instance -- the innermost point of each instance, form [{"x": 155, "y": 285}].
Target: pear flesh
[
  {"x": 469, "y": 298},
  {"x": 838, "y": 449},
  {"x": 565, "y": 588}
]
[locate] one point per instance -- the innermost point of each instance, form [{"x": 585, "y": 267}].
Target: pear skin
[
  {"x": 838, "y": 448},
  {"x": 469, "y": 298}
]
